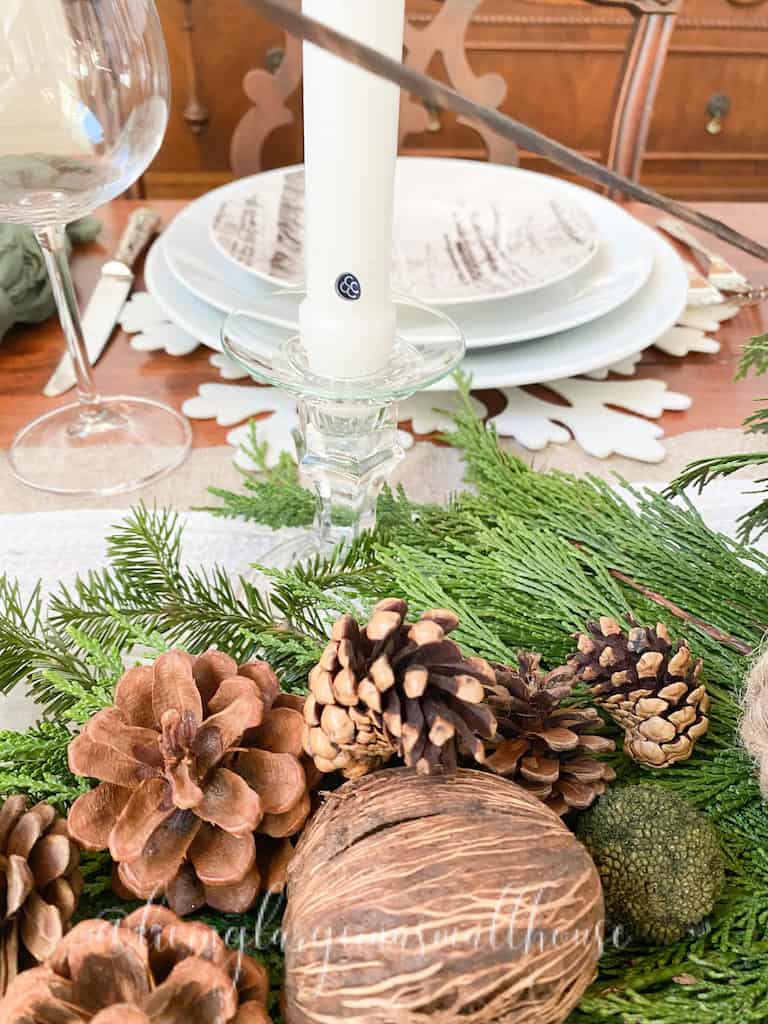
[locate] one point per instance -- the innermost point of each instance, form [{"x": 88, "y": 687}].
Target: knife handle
[{"x": 142, "y": 225}]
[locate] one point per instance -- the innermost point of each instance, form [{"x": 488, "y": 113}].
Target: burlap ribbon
[{"x": 754, "y": 725}]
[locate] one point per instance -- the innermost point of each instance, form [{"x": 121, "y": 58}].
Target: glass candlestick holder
[{"x": 347, "y": 440}]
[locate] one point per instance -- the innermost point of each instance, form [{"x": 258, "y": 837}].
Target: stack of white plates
[{"x": 546, "y": 279}]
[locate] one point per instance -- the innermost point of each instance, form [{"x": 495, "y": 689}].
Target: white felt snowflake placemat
[{"x": 604, "y": 416}]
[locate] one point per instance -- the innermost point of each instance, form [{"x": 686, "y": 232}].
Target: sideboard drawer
[
  {"x": 694, "y": 79},
  {"x": 560, "y": 66}
]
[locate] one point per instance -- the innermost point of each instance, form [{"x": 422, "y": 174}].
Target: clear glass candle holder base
[
  {"x": 347, "y": 440},
  {"x": 113, "y": 447}
]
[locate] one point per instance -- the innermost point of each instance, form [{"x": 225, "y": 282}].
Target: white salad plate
[
  {"x": 465, "y": 231},
  {"x": 626, "y": 330},
  {"x": 622, "y": 265}
]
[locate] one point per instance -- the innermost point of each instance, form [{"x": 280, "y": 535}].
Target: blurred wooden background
[{"x": 708, "y": 140}]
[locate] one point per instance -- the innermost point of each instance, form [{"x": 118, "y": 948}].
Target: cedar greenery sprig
[
  {"x": 273, "y": 498},
  {"x": 753, "y": 523},
  {"x": 754, "y": 357}
]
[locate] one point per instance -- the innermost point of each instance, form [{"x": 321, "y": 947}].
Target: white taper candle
[{"x": 351, "y": 129}]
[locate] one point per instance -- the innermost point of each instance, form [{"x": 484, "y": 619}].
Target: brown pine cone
[
  {"x": 151, "y": 967},
  {"x": 545, "y": 748},
  {"x": 40, "y": 884},
  {"x": 396, "y": 688},
  {"x": 195, "y": 757},
  {"x": 649, "y": 685}
]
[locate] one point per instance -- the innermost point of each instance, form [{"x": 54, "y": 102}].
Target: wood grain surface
[{"x": 28, "y": 355}]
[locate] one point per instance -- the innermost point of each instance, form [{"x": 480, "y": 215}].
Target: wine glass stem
[{"x": 52, "y": 240}]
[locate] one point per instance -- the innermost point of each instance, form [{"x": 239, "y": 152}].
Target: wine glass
[{"x": 84, "y": 99}]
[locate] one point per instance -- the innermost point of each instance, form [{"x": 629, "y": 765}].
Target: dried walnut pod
[
  {"x": 195, "y": 757},
  {"x": 423, "y": 888},
  {"x": 649, "y": 685},
  {"x": 547, "y": 749},
  {"x": 395, "y": 687},
  {"x": 152, "y": 967},
  {"x": 40, "y": 884}
]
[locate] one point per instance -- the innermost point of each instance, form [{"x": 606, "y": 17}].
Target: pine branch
[
  {"x": 752, "y": 524},
  {"x": 757, "y": 422},
  {"x": 149, "y": 586},
  {"x": 35, "y": 655},
  {"x": 754, "y": 357},
  {"x": 21, "y": 624},
  {"x": 703, "y": 471}
]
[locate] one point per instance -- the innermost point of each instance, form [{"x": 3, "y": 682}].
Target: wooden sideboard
[{"x": 560, "y": 66}]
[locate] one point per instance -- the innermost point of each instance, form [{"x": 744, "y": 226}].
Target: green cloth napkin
[{"x": 25, "y": 291}]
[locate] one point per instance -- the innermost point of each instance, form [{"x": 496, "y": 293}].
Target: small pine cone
[
  {"x": 545, "y": 748},
  {"x": 396, "y": 688},
  {"x": 198, "y": 760},
  {"x": 40, "y": 883},
  {"x": 152, "y": 966},
  {"x": 649, "y": 685}
]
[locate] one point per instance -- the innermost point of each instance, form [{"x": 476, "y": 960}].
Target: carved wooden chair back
[{"x": 445, "y": 36}]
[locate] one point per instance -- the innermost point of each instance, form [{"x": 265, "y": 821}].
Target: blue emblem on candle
[{"x": 348, "y": 287}]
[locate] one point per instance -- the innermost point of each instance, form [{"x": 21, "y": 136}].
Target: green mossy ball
[{"x": 659, "y": 860}]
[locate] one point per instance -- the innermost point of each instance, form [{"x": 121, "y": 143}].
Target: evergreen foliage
[
  {"x": 754, "y": 523},
  {"x": 525, "y": 560}
]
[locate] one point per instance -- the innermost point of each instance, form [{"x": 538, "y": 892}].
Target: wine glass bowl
[
  {"x": 84, "y": 100},
  {"x": 83, "y": 105}
]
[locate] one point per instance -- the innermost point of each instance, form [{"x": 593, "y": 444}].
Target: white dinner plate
[
  {"x": 620, "y": 268},
  {"x": 628, "y": 329},
  {"x": 465, "y": 231}
]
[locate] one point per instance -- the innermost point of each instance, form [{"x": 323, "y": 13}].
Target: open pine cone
[
  {"x": 648, "y": 685},
  {"x": 40, "y": 884},
  {"x": 396, "y": 688},
  {"x": 152, "y": 968},
  {"x": 547, "y": 749},
  {"x": 194, "y": 758}
]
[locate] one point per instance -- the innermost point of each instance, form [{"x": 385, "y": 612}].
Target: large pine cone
[
  {"x": 152, "y": 967},
  {"x": 396, "y": 688},
  {"x": 195, "y": 756},
  {"x": 547, "y": 749},
  {"x": 649, "y": 685},
  {"x": 40, "y": 885}
]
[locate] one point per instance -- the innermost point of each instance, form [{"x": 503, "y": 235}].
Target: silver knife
[{"x": 108, "y": 299}]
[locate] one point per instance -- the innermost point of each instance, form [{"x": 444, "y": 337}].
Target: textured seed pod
[{"x": 460, "y": 898}]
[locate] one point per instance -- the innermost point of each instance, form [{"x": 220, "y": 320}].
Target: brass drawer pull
[
  {"x": 718, "y": 108},
  {"x": 274, "y": 59},
  {"x": 435, "y": 123}
]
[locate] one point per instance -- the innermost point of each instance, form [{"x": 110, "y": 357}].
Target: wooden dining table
[{"x": 29, "y": 354}]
